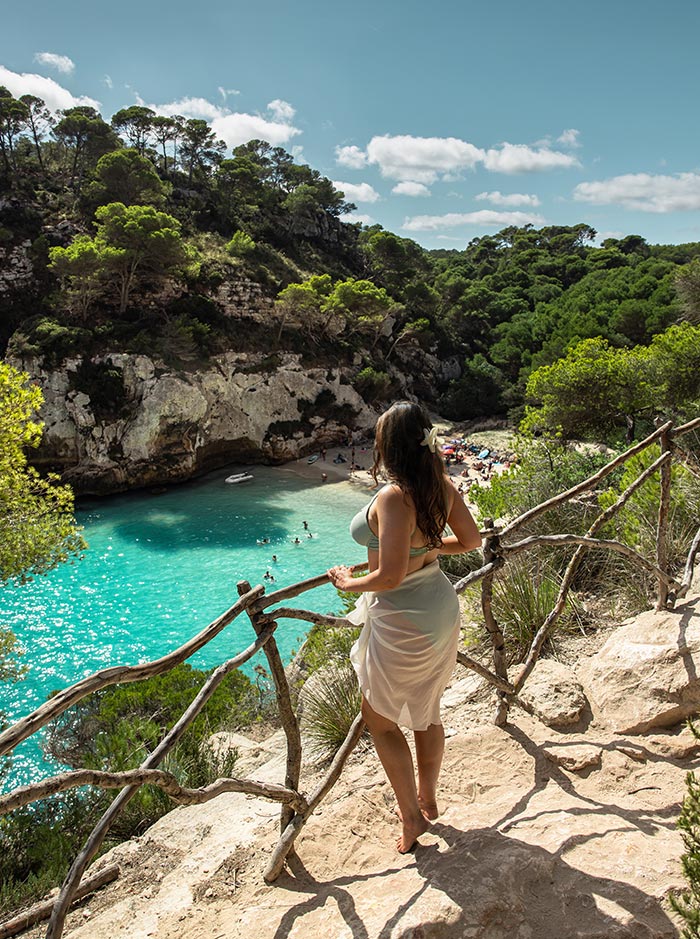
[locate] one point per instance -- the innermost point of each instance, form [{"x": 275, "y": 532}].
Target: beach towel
[{"x": 406, "y": 652}]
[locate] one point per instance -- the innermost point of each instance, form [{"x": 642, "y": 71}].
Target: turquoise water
[{"x": 161, "y": 567}]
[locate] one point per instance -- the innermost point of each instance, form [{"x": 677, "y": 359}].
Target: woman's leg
[
  {"x": 395, "y": 757},
  {"x": 430, "y": 747}
]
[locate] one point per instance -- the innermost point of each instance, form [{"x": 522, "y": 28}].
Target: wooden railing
[{"x": 264, "y": 610}]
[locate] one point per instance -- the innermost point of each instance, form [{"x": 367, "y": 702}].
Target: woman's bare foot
[
  {"x": 411, "y": 833},
  {"x": 428, "y": 808}
]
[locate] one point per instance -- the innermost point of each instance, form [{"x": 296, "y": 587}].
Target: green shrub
[
  {"x": 687, "y": 902},
  {"x": 332, "y": 701},
  {"x": 241, "y": 245},
  {"x": 372, "y": 385}
]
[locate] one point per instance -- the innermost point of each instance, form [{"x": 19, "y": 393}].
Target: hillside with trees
[{"x": 120, "y": 235}]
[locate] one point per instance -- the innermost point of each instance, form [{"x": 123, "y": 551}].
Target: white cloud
[
  {"x": 225, "y": 92},
  {"x": 239, "y": 128},
  {"x": 61, "y": 63},
  {"x": 569, "y": 138},
  {"x": 411, "y": 189},
  {"x": 422, "y": 159},
  {"x": 352, "y": 157},
  {"x": 357, "y": 192},
  {"x": 233, "y": 127},
  {"x": 508, "y": 198},
  {"x": 353, "y": 217},
  {"x": 644, "y": 192},
  {"x": 519, "y": 158},
  {"x": 108, "y": 82},
  {"x": 57, "y": 97},
  {"x": 281, "y": 111},
  {"x": 186, "y": 107},
  {"x": 486, "y": 218}
]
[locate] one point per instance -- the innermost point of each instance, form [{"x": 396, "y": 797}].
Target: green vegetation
[
  {"x": 687, "y": 902},
  {"x": 131, "y": 217}
]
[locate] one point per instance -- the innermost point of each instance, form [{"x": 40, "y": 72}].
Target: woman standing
[{"x": 409, "y": 611}]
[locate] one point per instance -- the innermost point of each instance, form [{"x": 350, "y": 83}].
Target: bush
[
  {"x": 372, "y": 385},
  {"x": 332, "y": 701},
  {"x": 241, "y": 245},
  {"x": 687, "y": 903}
]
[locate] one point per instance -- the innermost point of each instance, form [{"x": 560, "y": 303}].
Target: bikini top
[{"x": 363, "y": 534}]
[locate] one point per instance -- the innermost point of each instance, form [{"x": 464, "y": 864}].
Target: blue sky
[{"x": 444, "y": 120}]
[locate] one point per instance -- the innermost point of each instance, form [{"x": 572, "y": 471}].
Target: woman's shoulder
[{"x": 392, "y": 497}]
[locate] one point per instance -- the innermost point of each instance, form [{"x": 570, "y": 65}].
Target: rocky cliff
[{"x": 119, "y": 421}]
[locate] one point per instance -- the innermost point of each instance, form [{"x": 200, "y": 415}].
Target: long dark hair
[{"x": 400, "y": 452}]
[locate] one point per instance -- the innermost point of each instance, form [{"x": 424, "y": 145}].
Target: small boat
[
  {"x": 239, "y": 478},
  {"x": 312, "y": 459}
]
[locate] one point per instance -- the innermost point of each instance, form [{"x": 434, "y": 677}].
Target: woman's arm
[
  {"x": 466, "y": 535},
  {"x": 395, "y": 522}
]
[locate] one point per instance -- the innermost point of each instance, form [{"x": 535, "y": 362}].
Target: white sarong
[{"x": 406, "y": 652}]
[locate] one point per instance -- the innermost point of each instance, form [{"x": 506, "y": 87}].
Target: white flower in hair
[{"x": 430, "y": 439}]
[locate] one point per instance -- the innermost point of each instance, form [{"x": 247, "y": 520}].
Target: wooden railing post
[
  {"x": 662, "y": 523},
  {"x": 289, "y": 720},
  {"x": 492, "y": 551}
]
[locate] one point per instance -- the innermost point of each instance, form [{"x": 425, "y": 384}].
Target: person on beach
[{"x": 408, "y": 609}]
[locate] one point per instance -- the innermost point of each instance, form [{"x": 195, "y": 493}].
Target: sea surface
[{"x": 160, "y": 567}]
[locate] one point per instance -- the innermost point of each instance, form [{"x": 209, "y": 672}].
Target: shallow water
[{"x": 161, "y": 567}]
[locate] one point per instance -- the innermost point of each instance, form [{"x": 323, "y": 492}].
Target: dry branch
[
  {"x": 475, "y": 576},
  {"x": 537, "y": 540},
  {"x": 684, "y": 428},
  {"x": 40, "y": 911},
  {"x": 320, "y": 619},
  {"x": 290, "y": 724},
  {"x": 60, "y": 702},
  {"x": 289, "y": 835},
  {"x": 687, "y": 578},
  {"x": 468, "y": 662},
  {"x": 24, "y": 795},
  {"x": 286, "y": 593},
  {"x": 662, "y": 524},
  {"x": 586, "y": 484}
]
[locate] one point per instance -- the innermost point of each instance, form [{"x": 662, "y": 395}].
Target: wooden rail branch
[
  {"x": 662, "y": 524},
  {"x": 290, "y": 724},
  {"x": 468, "y": 662},
  {"x": 493, "y": 554},
  {"x": 99, "y": 832},
  {"x": 320, "y": 619},
  {"x": 538, "y": 540},
  {"x": 24, "y": 795},
  {"x": 286, "y": 843},
  {"x": 475, "y": 576},
  {"x": 286, "y": 593},
  {"x": 687, "y": 578},
  {"x": 685, "y": 428},
  {"x": 41, "y": 911},
  {"x": 60, "y": 702},
  {"x": 586, "y": 484}
]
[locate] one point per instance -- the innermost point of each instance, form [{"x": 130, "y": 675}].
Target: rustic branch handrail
[
  {"x": 586, "y": 484},
  {"x": 286, "y": 593},
  {"x": 24, "y": 795},
  {"x": 533, "y": 541},
  {"x": 65, "y": 698}
]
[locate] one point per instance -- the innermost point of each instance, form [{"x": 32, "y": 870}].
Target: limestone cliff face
[{"x": 137, "y": 422}]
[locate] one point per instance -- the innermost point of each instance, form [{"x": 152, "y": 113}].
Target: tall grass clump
[{"x": 331, "y": 701}]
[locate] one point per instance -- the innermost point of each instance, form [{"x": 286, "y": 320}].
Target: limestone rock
[
  {"x": 173, "y": 424},
  {"x": 646, "y": 674},
  {"x": 553, "y": 693},
  {"x": 576, "y": 757}
]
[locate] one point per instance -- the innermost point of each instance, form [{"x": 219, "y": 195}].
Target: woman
[{"x": 406, "y": 652}]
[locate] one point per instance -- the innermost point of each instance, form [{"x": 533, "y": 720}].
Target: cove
[{"x": 161, "y": 567}]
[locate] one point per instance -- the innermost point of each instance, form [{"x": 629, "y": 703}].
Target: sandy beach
[{"x": 470, "y": 469}]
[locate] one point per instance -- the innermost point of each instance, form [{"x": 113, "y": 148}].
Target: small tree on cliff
[{"x": 131, "y": 241}]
